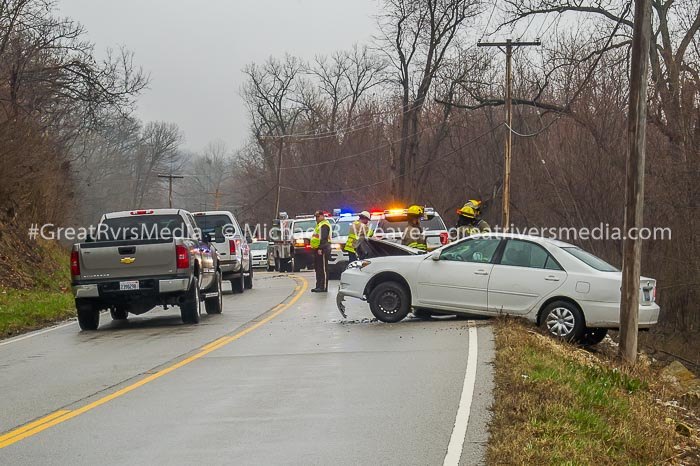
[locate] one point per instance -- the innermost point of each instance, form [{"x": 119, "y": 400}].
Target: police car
[{"x": 393, "y": 222}]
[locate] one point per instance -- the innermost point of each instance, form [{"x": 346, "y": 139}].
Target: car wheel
[
  {"x": 389, "y": 302},
  {"x": 423, "y": 314},
  {"x": 119, "y": 313},
  {"x": 215, "y": 305},
  {"x": 190, "y": 309},
  {"x": 563, "y": 320},
  {"x": 88, "y": 316},
  {"x": 249, "y": 279},
  {"x": 593, "y": 336},
  {"x": 237, "y": 284}
]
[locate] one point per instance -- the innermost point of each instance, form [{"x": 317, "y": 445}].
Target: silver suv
[{"x": 230, "y": 242}]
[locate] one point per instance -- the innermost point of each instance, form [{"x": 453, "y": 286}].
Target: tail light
[
  {"x": 74, "y": 263},
  {"x": 232, "y": 247},
  {"x": 653, "y": 294},
  {"x": 444, "y": 238},
  {"x": 182, "y": 257}
]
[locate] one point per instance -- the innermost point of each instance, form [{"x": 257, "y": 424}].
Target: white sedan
[{"x": 571, "y": 293}]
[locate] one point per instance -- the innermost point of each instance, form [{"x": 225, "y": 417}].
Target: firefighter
[
  {"x": 321, "y": 245},
  {"x": 413, "y": 235},
  {"x": 469, "y": 221},
  {"x": 359, "y": 229}
]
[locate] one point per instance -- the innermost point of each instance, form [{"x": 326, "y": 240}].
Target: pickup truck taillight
[
  {"x": 74, "y": 263},
  {"x": 182, "y": 257},
  {"x": 232, "y": 247},
  {"x": 444, "y": 238}
]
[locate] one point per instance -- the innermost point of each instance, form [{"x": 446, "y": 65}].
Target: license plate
[{"x": 129, "y": 286}]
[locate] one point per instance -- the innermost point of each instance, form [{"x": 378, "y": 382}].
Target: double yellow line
[{"x": 62, "y": 415}]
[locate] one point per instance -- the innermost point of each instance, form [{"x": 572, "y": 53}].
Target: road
[{"x": 278, "y": 378}]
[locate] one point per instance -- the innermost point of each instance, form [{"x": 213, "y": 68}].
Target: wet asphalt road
[{"x": 278, "y": 378}]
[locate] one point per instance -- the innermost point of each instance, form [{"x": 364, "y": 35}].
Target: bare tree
[{"x": 418, "y": 36}]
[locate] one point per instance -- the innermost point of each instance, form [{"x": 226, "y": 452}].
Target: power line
[
  {"x": 345, "y": 130},
  {"x": 364, "y": 152},
  {"x": 376, "y": 183}
]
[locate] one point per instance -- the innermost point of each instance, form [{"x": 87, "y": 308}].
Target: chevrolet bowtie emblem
[{"x": 127, "y": 260}]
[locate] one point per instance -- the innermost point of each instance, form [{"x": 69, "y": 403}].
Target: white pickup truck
[{"x": 141, "y": 259}]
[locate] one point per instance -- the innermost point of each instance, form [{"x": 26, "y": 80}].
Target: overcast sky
[{"x": 194, "y": 51}]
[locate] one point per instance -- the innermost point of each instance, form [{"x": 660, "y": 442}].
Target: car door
[
  {"x": 525, "y": 274},
  {"x": 459, "y": 279}
]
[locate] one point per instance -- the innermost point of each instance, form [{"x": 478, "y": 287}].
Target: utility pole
[
  {"x": 170, "y": 178},
  {"x": 634, "y": 197},
  {"x": 508, "y": 44},
  {"x": 217, "y": 196},
  {"x": 279, "y": 178}
]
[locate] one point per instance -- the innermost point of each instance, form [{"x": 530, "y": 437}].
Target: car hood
[{"x": 372, "y": 247}]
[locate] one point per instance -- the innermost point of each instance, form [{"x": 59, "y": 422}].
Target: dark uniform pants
[
  {"x": 353, "y": 256},
  {"x": 321, "y": 267}
]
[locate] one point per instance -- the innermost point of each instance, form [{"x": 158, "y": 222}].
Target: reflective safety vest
[
  {"x": 413, "y": 238},
  {"x": 364, "y": 230},
  {"x": 467, "y": 230},
  {"x": 315, "y": 241}
]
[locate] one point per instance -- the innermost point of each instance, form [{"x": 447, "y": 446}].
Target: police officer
[
  {"x": 413, "y": 235},
  {"x": 469, "y": 221},
  {"x": 359, "y": 229},
  {"x": 321, "y": 245}
]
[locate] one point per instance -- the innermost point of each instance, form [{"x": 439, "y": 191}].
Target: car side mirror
[{"x": 435, "y": 256}]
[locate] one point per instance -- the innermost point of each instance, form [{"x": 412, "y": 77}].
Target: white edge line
[
  {"x": 459, "y": 432},
  {"x": 37, "y": 333}
]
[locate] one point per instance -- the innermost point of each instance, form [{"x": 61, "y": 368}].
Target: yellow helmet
[
  {"x": 471, "y": 209},
  {"x": 415, "y": 210}
]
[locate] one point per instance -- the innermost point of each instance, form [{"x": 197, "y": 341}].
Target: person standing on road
[
  {"x": 469, "y": 221},
  {"x": 413, "y": 235},
  {"x": 359, "y": 229},
  {"x": 321, "y": 245}
]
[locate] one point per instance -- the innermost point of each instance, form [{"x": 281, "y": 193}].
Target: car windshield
[
  {"x": 142, "y": 227},
  {"x": 591, "y": 260},
  {"x": 219, "y": 225},
  {"x": 303, "y": 226},
  {"x": 259, "y": 246},
  {"x": 399, "y": 224}
]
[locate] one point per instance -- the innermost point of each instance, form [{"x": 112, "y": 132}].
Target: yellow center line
[{"x": 61, "y": 416}]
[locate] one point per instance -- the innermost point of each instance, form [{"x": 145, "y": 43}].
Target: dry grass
[
  {"x": 558, "y": 404},
  {"x": 35, "y": 286}
]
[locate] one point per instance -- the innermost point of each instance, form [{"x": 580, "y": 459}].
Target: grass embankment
[
  {"x": 558, "y": 404},
  {"x": 46, "y": 300}
]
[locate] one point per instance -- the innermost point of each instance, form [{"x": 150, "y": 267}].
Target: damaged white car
[{"x": 571, "y": 293}]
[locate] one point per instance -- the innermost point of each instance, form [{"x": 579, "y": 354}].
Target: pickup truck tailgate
[{"x": 121, "y": 259}]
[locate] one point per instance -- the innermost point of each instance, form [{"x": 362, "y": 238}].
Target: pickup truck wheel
[
  {"x": 119, "y": 313},
  {"x": 389, "y": 302},
  {"x": 190, "y": 310},
  {"x": 238, "y": 284},
  {"x": 215, "y": 305},
  {"x": 88, "y": 316},
  {"x": 248, "y": 282}
]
